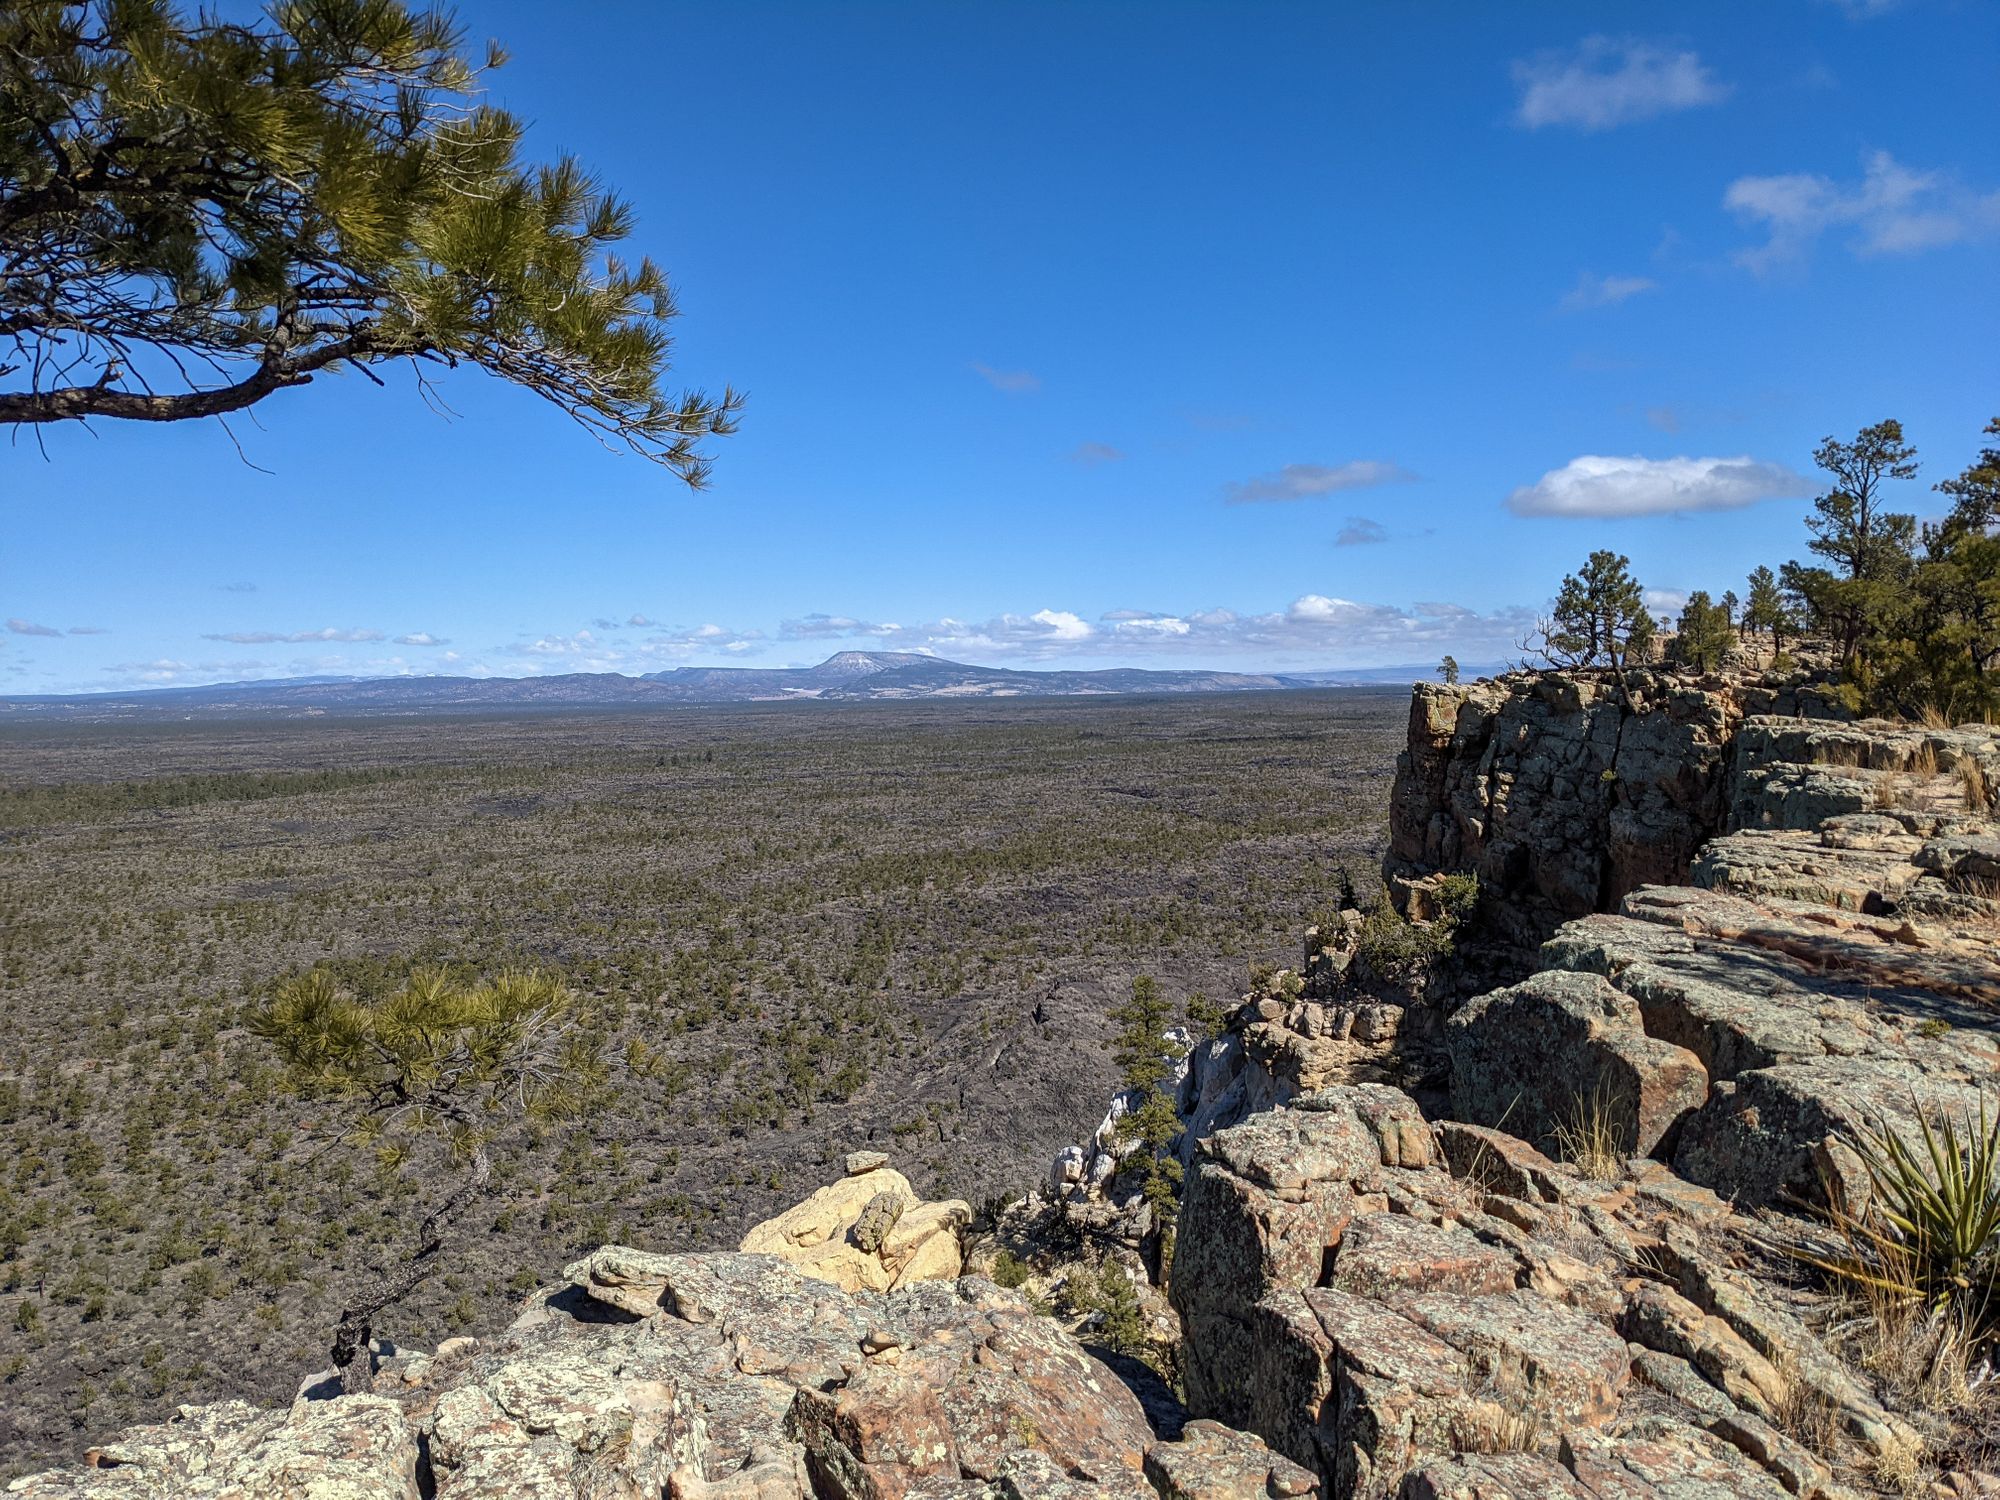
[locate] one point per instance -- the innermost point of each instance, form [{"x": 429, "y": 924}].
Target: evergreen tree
[
  {"x": 1765, "y": 610},
  {"x": 1872, "y": 550},
  {"x": 1448, "y": 670},
  {"x": 1944, "y": 659},
  {"x": 1703, "y": 636},
  {"x": 1599, "y": 618},
  {"x": 196, "y": 213},
  {"x": 433, "y": 1075},
  {"x": 1140, "y": 1049}
]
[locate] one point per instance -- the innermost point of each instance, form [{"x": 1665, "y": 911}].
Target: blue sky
[{"x": 1158, "y": 334}]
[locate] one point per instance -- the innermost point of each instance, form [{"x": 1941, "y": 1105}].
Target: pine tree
[
  {"x": 1873, "y": 550},
  {"x": 196, "y": 213},
  {"x": 1448, "y": 670},
  {"x": 1703, "y": 636},
  {"x": 1945, "y": 657},
  {"x": 431, "y": 1075},
  {"x": 1599, "y": 618},
  {"x": 1764, "y": 608},
  {"x": 1140, "y": 1049}
]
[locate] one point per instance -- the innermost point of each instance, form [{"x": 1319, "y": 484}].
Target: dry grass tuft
[
  {"x": 1978, "y": 790},
  {"x": 1923, "y": 762},
  {"x": 1497, "y": 1425},
  {"x": 1930, "y": 716},
  {"x": 1592, "y": 1140},
  {"x": 1899, "y": 1467},
  {"x": 1806, "y": 1416}
]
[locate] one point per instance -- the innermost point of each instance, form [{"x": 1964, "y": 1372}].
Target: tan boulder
[{"x": 818, "y": 1237}]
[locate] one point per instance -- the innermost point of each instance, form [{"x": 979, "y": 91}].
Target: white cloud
[
  {"x": 86, "y": 630},
  {"x": 421, "y": 638},
  {"x": 583, "y": 651},
  {"x": 1594, "y": 485},
  {"x": 1306, "y": 481},
  {"x": 1605, "y": 291},
  {"x": 295, "y": 637},
  {"x": 1605, "y": 82},
  {"x": 1061, "y": 624},
  {"x": 1013, "y": 382},
  {"x": 29, "y": 627},
  {"x": 1145, "y": 625},
  {"x": 164, "y": 669},
  {"x": 816, "y": 627},
  {"x": 1891, "y": 210},
  {"x": 1315, "y": 630},
  {"x": 237, "y": 588},
  {"x": 1090, "y": 455},
  {"x": 1360, "y": 532}
]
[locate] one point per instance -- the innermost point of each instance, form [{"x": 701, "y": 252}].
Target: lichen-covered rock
[
  {"x": 1213, "y": 1462},
  {"x": 1542, "y": 1055},
  {"x": 357, "y": 1448},
  {"x": 1815, "y": 1026},
  {"x": 877, "y": 1218},
  {"x": 1259, "y": 1210},
  {"x": 1561, "y": 792}
]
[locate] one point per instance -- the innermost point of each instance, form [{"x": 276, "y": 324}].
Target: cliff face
[{"x": 1563, "y": 793}]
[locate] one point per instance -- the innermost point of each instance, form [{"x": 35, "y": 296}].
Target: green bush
[{"x": 1010, "y": 1271}]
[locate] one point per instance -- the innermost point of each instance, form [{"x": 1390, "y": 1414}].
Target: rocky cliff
[
  {"x": 1564, "y": 792},
  {"x": 1541, "y": 1241}
]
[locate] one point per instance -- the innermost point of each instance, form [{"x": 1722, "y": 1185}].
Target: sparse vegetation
[
  {"x": 818, "y": 925},
  {"x": 1392, "y": 948},
  {"x": 438, "y": 1067},
  {"x": 1919, "y": 1266},
  {"x": 1910, "y": 613}
]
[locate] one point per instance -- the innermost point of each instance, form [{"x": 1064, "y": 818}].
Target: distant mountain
[{"x": 846, "y": 676}]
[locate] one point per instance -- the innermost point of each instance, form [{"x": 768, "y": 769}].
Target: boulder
[
  {"x": 1213, "y": 1462},
  {"x": 867, "y": 1232},
  {"x": 356, "y": 1448},
  {"x": 1538, "y": 1056}
]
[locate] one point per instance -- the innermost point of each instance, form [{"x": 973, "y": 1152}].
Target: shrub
[
  {"x": 1403, "y": 952},
  {"x": 1010, "y": 1271},
  {"x": 1110, "y": 1295}
]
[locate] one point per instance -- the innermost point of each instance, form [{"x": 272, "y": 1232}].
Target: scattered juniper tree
[
  {"x": 436, "y": 1076},
  {"x": 1448, "y": 670},
  {"x": 196, "y": 213}
]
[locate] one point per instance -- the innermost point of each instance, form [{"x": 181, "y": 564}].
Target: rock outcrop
[
  {"x": 1421, "y": 1310},
  {"x": 868, "y": 1232},
  {"x": 1563, "y": 793},
  {"x": 705, "y": 1377}
]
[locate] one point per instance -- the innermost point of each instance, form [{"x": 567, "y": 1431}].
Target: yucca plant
[{"x": 1930, "y": 1231}]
